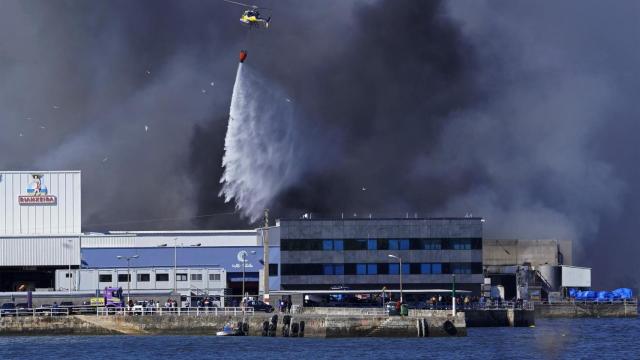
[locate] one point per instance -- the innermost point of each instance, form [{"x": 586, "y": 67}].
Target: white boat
[{"x": 227, "y": 330}]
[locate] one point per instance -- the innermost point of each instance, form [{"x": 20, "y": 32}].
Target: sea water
[{"x": 550, "y": 339}]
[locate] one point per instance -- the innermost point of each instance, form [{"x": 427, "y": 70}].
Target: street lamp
[
  {"x": 128, "y": 258},
  {"x": 400, "y": 260},
  {"x": 244, "y": 262}
]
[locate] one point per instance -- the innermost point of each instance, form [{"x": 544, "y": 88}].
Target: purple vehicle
[{"x": 111, "y": 297}]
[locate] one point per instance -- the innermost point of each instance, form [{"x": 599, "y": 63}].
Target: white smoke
[{"x": 260, "y": 157}]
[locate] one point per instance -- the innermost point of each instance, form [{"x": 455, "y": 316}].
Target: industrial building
[
  {"x": 367, "y": 253},
  {"x": 532, "y": 269},
  {"x": 43, "y": 248}
]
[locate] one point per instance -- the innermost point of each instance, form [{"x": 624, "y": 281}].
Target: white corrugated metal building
[{"x": 40, "y": 226}]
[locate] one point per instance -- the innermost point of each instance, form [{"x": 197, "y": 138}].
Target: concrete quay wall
[
  {"x": 500, "y": 318},
  {"x": 591, "y": 309},
  {"x": 315, "y": 326}
]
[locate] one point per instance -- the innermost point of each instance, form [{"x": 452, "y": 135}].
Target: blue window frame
[
  {"x": 393, "y": 244},
  {"x": 372, "y": 269},
  {"x": 436, "y": 268},
  {"x": 394, "y": 269},
  {"x": 432, "y": 244},
  {"x": 425, "y": 268},
  {"x": 461, "y": 244},
  {"x": 406, "y": 269},
  {"x": 461, "y": 268},
  {"x": 361, "y": 269},
  {"x": 327, "y": 244},
  {"x": 339, "y": 269},
  {"x": 328, "y": 269},
  {"x": 338, "y": 245},
  {"x": 372, "y": 244},
  {"x": 404, "y": 244}
]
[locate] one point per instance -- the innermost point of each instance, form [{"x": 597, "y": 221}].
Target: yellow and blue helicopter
[{"x": 251, "y": 16}]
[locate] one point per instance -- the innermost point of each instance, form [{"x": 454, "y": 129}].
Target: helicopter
[{"x": 251, "y": 16}]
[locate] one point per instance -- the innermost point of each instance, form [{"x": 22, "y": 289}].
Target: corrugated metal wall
[
  {"x": 39, "y": 251},
  {"x": 62, "y": 217},
  {"x": 142, "y": 239},
  {"x": 107, "y": 241}
]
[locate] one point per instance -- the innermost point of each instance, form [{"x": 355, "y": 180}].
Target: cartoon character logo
[{"x": 37, "y": 186}]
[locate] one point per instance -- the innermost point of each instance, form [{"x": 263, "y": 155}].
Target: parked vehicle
[
  {"x": 140, "y": 307},
  {"x": 111, "y": 297},
  {"x": 258, "y": 305},
  {"x": 8, "y": 309},
  {"x": 23, "y": 309},
  {"x": 392, "y": 308}
]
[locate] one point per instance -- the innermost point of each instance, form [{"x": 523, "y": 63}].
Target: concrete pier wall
[
  {"x": 500, "y": 318},
  {"x": 591, "y": 309},
  {"x": 315, "y": 326}
]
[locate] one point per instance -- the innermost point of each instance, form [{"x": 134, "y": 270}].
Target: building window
[
  {"x": 104, "y": 278},
  {"x": 214, "y": 277},
  {"x": 432, "y": 244},
  {"x": 425, "y": 268},
  {"x": 436, "y": 268},
  {"x": 68, "y": 275},
  {"x": 461, "y": 244},
  {"x": 404, "y": 244},
  {"x": 372, "y": 269},
  {"x": 394, "y": 269},
  {"x": 144, "y": 277},
  {"x": 328, "y": 269},
  {"x": 181, "y": 277},
  {"x": 162, "y": 277},
  {"x": 123, "y": 277},
  {"x": 338, "y": 269},
  {"x": 461, "y": 268},
  {"x": 273, "y": 269},
  {"x": 393, "y": 244},
  {"x": 372, "y": 244},
  {"x": 196, "y": 277},
  {"x": 338, "y": 245},
  {"x": 361, "y": 269}
]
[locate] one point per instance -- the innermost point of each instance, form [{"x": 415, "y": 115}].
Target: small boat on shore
[{"x": 228, "y": 330}]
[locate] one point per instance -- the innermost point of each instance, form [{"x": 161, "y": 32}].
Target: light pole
[
  {"x": 244, "y": 262},
  {"x": 128, "y": 258},
  {"x": 70, "y": 246},
  {"x": 400, "y": 260},
  {"x": 453, "y": 295}
]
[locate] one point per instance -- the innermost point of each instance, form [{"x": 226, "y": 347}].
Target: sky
[{"x": 521, "y": 112}]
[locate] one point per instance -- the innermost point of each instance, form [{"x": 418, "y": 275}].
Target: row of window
[
  {"x": 381, "y": 268},
  {"x": 381, "y": 244},
  {"x": 107, "y": 278}
]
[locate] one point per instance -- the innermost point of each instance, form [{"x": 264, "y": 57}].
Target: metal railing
[
  {"x": 628, "y": 302},
  {"x": 35, "y": 312},
  {"x": 111, "y": 311},
  {"x": 186, "y": 311}
]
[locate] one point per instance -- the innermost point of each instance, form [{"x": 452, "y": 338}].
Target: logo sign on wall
[
  {"x": 242, "y": 257},
  {"x": 37, "y": 193}
]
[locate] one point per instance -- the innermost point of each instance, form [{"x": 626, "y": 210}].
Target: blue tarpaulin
[{"x": 617, "y": 294}]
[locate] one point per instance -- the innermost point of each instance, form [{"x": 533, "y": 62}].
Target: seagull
[
  {"x": 56, "y": 107},
  {"x": 20, "y": 134},
  {"x": 364, "y": 188},
  {"x": 288, "y": 100},
  {"x": 204, "y": 91},
  {"x": 105, "y": 159},
  {"x": 148, "y": 72},
  {"x": 42, "y": 127},
  {"x": 211, "y": 83},
  {"x": 146, "y": 128}
]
